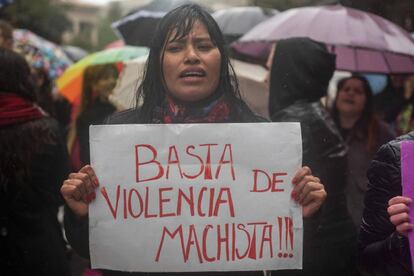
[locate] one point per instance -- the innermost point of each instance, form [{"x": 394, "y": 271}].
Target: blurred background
[{"x": 87, "y": 23}]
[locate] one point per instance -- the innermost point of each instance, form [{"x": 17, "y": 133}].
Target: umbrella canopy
[
  {"x": 363, "y": 42},
  {"x": 123, "y": 96},
  {"x": 138, "y": 27},
  {"x": 70, "y": 83},
  {"x": 41, "y": 53},
  {"x": 74, "y": 53},
  {"x": 236, "y": 21}
]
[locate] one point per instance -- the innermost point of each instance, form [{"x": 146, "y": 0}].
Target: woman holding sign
[
  {"x": 383, "y": 244},
  {"x": 188, "y": 79}
]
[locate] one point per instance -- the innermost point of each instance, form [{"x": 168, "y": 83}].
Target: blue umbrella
[{"x": 378, "y": 82}]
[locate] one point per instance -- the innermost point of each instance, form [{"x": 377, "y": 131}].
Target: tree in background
[
  {"x": 42, "y": 17},
  {"x": 105, "y": 32}
]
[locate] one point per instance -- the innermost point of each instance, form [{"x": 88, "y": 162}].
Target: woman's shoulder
[
  {"x": 390, "y": 152},
  {"x": 40, "y": 126},
  {"x": 248, "y": 116},
  {"x": 129, "y": 116}
]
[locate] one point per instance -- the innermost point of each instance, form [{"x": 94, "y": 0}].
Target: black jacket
[
  {"x": 300, "y": 75},
  {"x": 77, "y": 230},
  {"x": 31, "y": 240},
  {"x": 382, "y": 250},
  {"x": 93, "y": 115}
]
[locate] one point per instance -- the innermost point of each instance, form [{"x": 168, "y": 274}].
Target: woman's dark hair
[
  {"x": 152, "y": 90},
  {"x": 7, "y": 33},
  {"x": 15, "y": 75},
  {"x": 367, "y": 126}
]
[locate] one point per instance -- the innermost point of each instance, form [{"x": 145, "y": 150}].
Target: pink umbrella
[{"x": 363, "y": 42}]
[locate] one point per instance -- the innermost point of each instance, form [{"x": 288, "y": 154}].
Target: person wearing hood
[{"x": 299, "y": 77}]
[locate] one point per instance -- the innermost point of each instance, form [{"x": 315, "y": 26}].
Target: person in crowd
[
  {"x": 405, "y": 119},
  {"x": 389, "y": 103},
  {"x": 98, "y": 84},
  {"x": 52, "y": 102},
  {"x": 6, "y": 35},
  {"x": 188, "y": 44},
  {"x": 43, "y": 90},
  {"x": 363, "y": 133},
  {"x": 383, "y": 244},
  {"x": 33, "y": 163},
  {"x": 299, "y": 76}
]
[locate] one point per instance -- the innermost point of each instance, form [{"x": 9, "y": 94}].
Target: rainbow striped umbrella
[{"x": 69, "y": 83}]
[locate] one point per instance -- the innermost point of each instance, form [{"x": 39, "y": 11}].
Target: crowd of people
[{"x": 355, "y": 218}]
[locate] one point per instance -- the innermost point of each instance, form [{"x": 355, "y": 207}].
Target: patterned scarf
[
  {"x": 171, "y": 112},
  {"x": 15, "y": 109}
]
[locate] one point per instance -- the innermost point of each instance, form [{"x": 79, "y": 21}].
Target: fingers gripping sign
[
  {"x": 79, "y": 190},
  {"x": 398, "y": 210},
  {"x": 308, "y": 191}
]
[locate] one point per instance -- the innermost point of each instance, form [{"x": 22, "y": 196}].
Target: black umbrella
[{"x": 138, "y": 26}]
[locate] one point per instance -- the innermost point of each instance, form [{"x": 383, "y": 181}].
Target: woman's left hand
[{"x": 308, "y": 191}]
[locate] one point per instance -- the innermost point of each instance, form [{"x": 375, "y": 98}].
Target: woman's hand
[
  {"x": 308, "y": 191},
  {"x": 398, "y": 210},
  {"x": 79, "y": 190}
]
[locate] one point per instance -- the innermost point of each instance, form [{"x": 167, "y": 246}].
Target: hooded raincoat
[{"x": 301, "y": 70}]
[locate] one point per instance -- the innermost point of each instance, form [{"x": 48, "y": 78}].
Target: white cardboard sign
[{"x": 195, "y": 197}]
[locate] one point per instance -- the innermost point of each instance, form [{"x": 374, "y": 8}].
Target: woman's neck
[
  {"x": 348, "y": 121},
  {"x": 197, "y": 104}
]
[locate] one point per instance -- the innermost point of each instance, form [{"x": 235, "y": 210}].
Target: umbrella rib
[
  {"x": 387, "y": 63},
  {"x": 356, "y": 59}
]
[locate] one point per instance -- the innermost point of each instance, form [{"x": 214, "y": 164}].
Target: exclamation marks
[{"x": 286, "y": 232}]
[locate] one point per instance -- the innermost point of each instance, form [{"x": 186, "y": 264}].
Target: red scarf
[
  {"x": 215, "y": 111},
  {"x": 15, "y": 109}
]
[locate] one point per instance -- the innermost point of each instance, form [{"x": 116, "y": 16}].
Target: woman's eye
[
  {"x": 174, "y": 48},
  {"x": 205, "y": 47}
]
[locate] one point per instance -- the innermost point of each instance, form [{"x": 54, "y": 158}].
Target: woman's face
[
  {"x": 191, "y": 65},
  {"x": 351, "y": 98},
  {"x": 103, "y": 87}
]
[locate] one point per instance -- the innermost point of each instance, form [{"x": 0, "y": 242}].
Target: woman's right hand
[
  {"x": 398, "y": 210},
  {"x": 79, "y": 190}
]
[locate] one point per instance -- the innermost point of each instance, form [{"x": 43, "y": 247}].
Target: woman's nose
[
  {"x": 350, "y": 92},
  {"x": 191, "y": 55}
]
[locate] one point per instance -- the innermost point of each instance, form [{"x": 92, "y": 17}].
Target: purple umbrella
[{"x": 363, "y": 42}]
